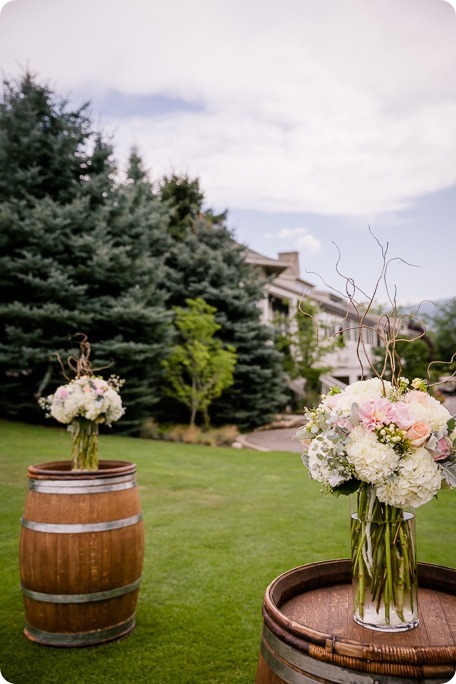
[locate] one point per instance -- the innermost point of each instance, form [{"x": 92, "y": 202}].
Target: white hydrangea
[
  {"x": 90, "y": 398},
  {"x": 357, "y": 393},
  {"x": 113, "y": 406},
  {"x": 66, "y": 402},
  {"x": 417, "y": 481},
  {"x": 325, "y": 462},
  {"x": 372, "y": 460}
]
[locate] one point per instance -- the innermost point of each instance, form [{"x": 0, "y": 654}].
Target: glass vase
[
  {"x": 384, "y": 566},
  {"x": 84, "y": 454}
]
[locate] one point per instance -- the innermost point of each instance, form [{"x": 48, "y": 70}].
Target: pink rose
[
  {"x": 402, "y": 415},
  {"x": 376, "y": 412},
  {"x": 62, "y": 393},
  {"x": 418, "y": 434},
  {"x": 443, "y": 449}
]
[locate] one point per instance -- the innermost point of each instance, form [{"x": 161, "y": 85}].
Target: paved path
[
  {"x": 280, "y": 440},
  {"x": 272, "y": 440}
]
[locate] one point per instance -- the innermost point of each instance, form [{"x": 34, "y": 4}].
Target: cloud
[
  {"x": 452, "y": 3},
  {"x": 316, "y": 106},
  {"x": 298, "y": 237}
]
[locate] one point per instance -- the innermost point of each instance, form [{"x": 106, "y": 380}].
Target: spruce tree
[
  {"x": 77, "y": 254},
  {"x": 205, "y": 261},
  {"x": 131, "y": 324},
  {"x": 42, "y": 143}
]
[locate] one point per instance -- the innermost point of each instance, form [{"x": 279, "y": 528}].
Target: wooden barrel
[
  {"x": 81, "y": 553},
  {"x": 309, "y": 634}
]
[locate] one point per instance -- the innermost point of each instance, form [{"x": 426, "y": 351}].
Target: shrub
[{"x": 224, "y": 435}]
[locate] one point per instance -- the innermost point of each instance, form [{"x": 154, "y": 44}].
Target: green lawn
[{"x": 220, "y": 525}]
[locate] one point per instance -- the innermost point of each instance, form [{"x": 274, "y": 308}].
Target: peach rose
[
  {"x": 417, "y": 397},
  {"x": 418, "y": 434},
  {"x": 306, "y": 444}
]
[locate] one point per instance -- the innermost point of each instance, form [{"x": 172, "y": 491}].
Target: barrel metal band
[
  {"x": 295, "y": 667},
  {"x": 80, "y": 528},
  {"x": 45, "y": 488},
  {"x": 81, "y": 598},
  {"x": 81, "y": 639},
  {"x": 86, "y": 486}
]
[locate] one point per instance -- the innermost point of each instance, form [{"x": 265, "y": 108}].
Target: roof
[{"x": 273, "y": 266}]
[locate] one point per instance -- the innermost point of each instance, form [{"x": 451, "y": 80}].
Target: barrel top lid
[
  {"x": 312, "y": 605},
  {"x": 62, "y": 469}
]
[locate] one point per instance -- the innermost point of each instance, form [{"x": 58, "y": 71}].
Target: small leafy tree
[
  {"x": 198, "y": 369},
  {"x": 298, "y": 340}
]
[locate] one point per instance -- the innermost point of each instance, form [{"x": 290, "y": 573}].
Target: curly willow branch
[
  {"x": 389, "y": 325},
  {"x": 80, "y": 365}
]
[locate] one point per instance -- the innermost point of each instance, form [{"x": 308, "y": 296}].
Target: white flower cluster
[
  {"x": 86, "y": 397},
  {"x": 325, "y": 463},
  {"x": 398, "y": 439},
  {"x": 417, "y": 481},
  {"x": 373, "y": 461}
]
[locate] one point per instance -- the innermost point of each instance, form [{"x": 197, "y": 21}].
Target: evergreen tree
[
  {"x": 131, "y": 325},
  {"x": 42, "y": 143},
  {"x": 444, "y": 324},
  {"x": 205, "y": 261},
  {"x": 77, "y": 254},
  {"x": 184, "y": 199}
]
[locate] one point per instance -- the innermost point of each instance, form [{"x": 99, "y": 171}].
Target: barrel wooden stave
[
  {"x": 81, "y": 588},
  {"x": 81, "y": 563},
  {"x": 81, "y": 508},
  {"x": 75, "y": 618}
]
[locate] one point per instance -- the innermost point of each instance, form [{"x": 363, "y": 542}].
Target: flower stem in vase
[
  {"x": 383, "y": 564},
  {"x": 84, "y": 453}
]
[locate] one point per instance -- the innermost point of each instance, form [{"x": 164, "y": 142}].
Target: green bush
[{"x": 190, "y": 434}]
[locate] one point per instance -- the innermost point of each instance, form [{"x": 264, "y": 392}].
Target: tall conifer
[
  {"x": 77, "y": 254},
  {"x": 205, "y": 261}
]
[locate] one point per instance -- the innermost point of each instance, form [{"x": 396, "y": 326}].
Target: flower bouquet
[
  {"x": 389, "y": 444},
  {"x": 82, "y": 404},
  {"x": 392, "y": 446}
]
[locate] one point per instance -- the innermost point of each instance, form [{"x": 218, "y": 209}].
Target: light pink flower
[
  {"x": 344, "y": 424},
  {"x": 417, "y": 397},
  {"x": 376, "y": 412},
  {"x": 331, "y": 401},
  {"x": 418, "y": 434},
  {"x": 443, "y": 449},
  {"x": 402, "y": 413},
  {"x": 62, "y": 393}
]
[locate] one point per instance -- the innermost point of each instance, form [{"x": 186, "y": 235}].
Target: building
[{"x": 286, "y": 289}]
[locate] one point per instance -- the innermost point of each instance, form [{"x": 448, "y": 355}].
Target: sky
[{"x": 326, "y": 127}]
